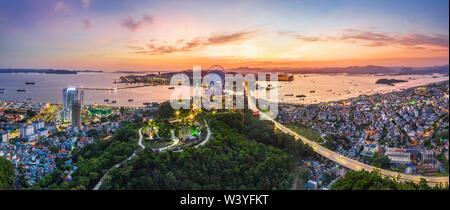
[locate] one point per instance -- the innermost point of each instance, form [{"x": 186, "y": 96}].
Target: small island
[{"x": 390, "y": 82}]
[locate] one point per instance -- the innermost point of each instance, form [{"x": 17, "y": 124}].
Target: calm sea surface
[
  {"x": 317, "y": 88},
  {"x": 48, "y": 88}
]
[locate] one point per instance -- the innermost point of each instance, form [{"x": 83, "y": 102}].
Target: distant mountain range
[
  {"x": 45, "y": 71},
  {"x": 350, "y": 70},
  {"x": 328, "y": 70}
]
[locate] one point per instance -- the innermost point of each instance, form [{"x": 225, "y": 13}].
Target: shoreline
[
  {"x": 349, "y": 98},
  {"x": 280, "y": 103}
]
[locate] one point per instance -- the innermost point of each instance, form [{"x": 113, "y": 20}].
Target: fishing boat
[
  {"x": 29, "y": 83},
  {"x": 300, "y": 96},
  {"x": 289, "y": 95},
  {"x": 130, "y": 100},
  {"x": 171, "y": 88},
  {"x": 113, "y": 102},
  {"x": 21, "y": 90},
  {"x": 106, "y": 100}
]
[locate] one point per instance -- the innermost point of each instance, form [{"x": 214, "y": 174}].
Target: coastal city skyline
[{"x": 175, "y": 35}]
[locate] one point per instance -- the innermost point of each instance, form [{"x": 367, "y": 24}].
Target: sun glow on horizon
[{"x": 174, "y": 35}]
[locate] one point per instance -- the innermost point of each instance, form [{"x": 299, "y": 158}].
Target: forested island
[{"x": 389, "y": 81}]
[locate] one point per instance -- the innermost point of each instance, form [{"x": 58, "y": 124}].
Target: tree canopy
[
  {"x": 7, "y": 180},
  {"x": 364, "y": 180},
  {"x": 244, "y": 153}
]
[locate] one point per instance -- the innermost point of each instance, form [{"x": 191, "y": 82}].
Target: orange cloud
[
  {"x": 195, "y": 43},
  {"x": 376, "y": 39}
]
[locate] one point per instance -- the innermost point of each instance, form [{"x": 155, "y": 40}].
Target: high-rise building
[
  {"x": 26, "y": 130},
  {"x": 38, "y": 125},
  {"x": 76, "y": 114},
  {"x": 70, "y": 95},
  {"x": 4, "y": 138}
]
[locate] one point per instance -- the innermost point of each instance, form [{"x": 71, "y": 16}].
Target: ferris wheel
[{"x": 216, "y": 81}]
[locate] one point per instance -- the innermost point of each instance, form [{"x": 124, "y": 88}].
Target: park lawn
[
  {"x": 185, "y": 130},
  {"x": 157, "y": 143}
]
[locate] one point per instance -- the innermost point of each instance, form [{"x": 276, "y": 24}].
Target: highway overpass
[
  {"x": 345, "y": 161},
  {"x": 354, "y": 164}
]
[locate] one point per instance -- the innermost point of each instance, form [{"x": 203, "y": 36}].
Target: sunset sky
[{"x": 115, "y": 35}]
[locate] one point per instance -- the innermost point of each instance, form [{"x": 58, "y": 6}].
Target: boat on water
[
  {"x": 171, "y": 88},
  {"x": 21, "y": 90},
  {"x": 29, "y": 83},
  {"x": 130, "y": 100},
  {"x": 113, "y": 102},
  {"x": 289, "y": 95},
  {"x": 300, "y": 96},
  {"x": 312, "y": 91},
  {"x": 106, "y": 100}
]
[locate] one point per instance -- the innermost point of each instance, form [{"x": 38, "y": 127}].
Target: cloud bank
[
  {"x": 196, "y": 43},
  {"x": 377, "y": 39},
  {"x": 134, "y": 24}
]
